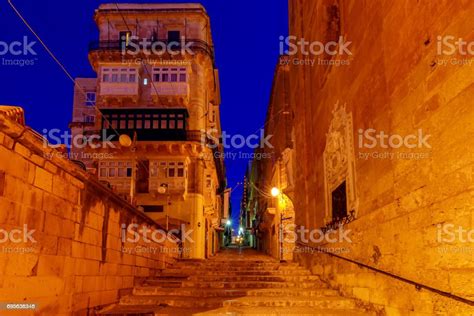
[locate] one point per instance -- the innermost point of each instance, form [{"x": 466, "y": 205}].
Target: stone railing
[{"x": 66, "y": 247}]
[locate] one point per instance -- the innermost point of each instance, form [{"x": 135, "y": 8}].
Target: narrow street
[
  {"x": 235, "y": 282},
  {"x": 273, "y": 157}
]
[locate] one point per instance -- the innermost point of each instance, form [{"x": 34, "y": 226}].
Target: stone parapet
[{"x": 72, "y": 255}]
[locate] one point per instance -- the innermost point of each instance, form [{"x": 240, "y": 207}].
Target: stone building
[
  {"x": 155, "y": 105},
  {"x": 272, "y": 169},
  {"x": 383, "y": 148}
]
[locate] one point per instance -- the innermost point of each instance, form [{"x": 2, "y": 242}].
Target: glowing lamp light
[
  {"x": 275, "y": 192},
  {"x": 228, "y": 223},
  {"x": 162, "y": 188},
  {"x": 125, "y": 140}
]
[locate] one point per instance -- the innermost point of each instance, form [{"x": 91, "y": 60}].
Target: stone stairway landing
[{"x": 234, "y": 283}]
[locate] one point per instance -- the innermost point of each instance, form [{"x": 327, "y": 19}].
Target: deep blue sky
[{"x": 246, "y": 37}]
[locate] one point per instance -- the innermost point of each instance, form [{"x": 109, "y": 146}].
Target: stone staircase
[{"x": 234, "y": 284}]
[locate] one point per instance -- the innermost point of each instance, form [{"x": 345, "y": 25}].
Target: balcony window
[
  {"x": 180, "y": 123},
  {"x": 180, "y": 169},
  {"x": 175, "y": 169},
  {"x": 147, "y": 121},
  {"x": 122, "y": 172},
  {"x": 167, "y": 169},
  {"x": 147, "y": 124},
  {"x": 119, "y": 74},
  {"x": 139, "y": 121},
  {"x": 172, "y": 121},
  {"x": 161, "y": 74},
  {"x": 115, "y": 169},
  {"x": 171, "y": 170}
]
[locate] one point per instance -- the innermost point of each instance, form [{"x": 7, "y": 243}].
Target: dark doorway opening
[{"x": 339, "y": 202}]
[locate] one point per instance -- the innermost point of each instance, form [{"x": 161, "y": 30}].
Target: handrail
[{"x": 417, "y": 285}]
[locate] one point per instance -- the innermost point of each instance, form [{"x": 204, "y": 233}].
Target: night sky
[{"x": 246, "y": 38}]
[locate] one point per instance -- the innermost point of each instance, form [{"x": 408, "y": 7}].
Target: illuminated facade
[{"x": 155, "y": 106}]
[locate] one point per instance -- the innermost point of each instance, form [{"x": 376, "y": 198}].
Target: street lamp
[
  {"x": 275, "y": 192},
  {"x": 228, "y": 223}
]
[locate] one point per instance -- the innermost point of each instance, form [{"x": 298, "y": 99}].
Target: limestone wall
[
  {"x": 398, "y": 82},
  {"x": 75, "y": 259}
]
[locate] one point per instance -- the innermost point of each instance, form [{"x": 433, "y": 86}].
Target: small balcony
[
  {"x": 118, "y": 89},
  {"x": 173, "y": 186},
  {"x": 146, "y": 124},
  {"x": 170, "y": 89}
]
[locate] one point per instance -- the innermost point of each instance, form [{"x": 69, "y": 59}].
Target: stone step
[
  {"x": 278, "y": 311},
  {"x": 139, "y": 310},
  {"x": 235, "y": 268},
  {"x": 262, "y": 278},
  {"x": 186, "y": 273},
  {"x": 310, "y": 292},
  {"x": 234, "y": 285},
  {"x": 242, "y": 264},
  {"x": 235, "y": 264},
  {"x": 165, "y": 283},
  {"x": 244, "y": 260},
  {"x": 271, "y": 265},
  {"x": 328, "y": 302},
  {"x": 252, "y": 284},
  {"x": 242, "y": 286}
]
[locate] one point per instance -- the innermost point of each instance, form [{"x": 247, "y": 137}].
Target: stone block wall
[
  {"x": 75, "y": 257},
  {"x": 396, "y": 81}
]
